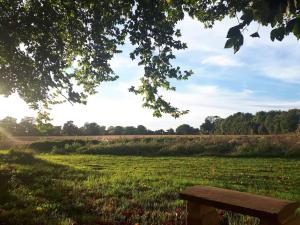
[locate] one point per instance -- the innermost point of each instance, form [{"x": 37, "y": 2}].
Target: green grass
[{"x": 92, "y": 189}]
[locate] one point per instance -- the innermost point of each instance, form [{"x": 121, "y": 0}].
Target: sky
[{"x": 263, "y": 75}]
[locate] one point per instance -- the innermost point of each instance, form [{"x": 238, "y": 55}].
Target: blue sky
[{"x": 263, "y": 75}]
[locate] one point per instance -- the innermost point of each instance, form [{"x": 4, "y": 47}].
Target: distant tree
[
  {"x": 218, "y": 126},
  {"x": 110, "y": 130},
  {"x": 186, "y": 129},
  {"x": 262, "y": 129},
  {"x": 142, "y": 130},
  {"x": 70, "y": 129},
  {"x": 260, "y": 117},
  {"x": 8, "y": 125},
  {"x": 289, "y": 121},
  {"x": 27, "y": 127},
  {"x": 92, "y": 129},
  {"x": 54, "y": 131},
  {"x": 150, "y": 132},
  {"x": 129, "y": 130},
  {"x": 272, "y": 122},
  {"x": 159, "y": 132},
  {"x": 208, "y": 127},
  {"x": 196, "y": 131},
  {"x": 102, "y": 130},
  {"x": 117, "y": 130},
  {"x": 47, "y": 129},
  {"x": 239, "y": 123},
  {"x": 170, "y": 131}
]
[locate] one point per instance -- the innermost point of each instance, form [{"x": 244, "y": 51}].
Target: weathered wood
[
  {"x": 201, "y": 214},
  {"x": 271, "y": 211}
]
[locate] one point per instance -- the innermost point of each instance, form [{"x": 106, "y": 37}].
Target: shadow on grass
[
  {"x": 38, "y": 192},
  {"x": 34, "y": 191}
]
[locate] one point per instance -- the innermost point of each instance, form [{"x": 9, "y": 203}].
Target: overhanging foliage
[{"x": 41, "y": 39}]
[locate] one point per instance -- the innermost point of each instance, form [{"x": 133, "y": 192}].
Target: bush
[
  {"x": 264, "y": 149},
  {"x": 49, "y": 146},
  {"x": 122, "y": 149},
  {"x": 248, "y": 146}
]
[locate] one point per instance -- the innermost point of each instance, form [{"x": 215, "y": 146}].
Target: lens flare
[{"x": 6, "y": 136}]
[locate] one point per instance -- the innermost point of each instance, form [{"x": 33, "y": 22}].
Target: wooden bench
[{"x": 203, "y": 200}]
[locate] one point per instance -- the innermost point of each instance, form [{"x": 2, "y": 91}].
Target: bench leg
[{"x": 201, "y": 214}]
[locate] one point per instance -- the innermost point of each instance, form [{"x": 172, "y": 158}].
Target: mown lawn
[{"x": 93, "y": 189}]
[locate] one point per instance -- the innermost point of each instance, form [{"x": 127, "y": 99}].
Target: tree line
[
  {"x": 29, "y": 127},
  {"x": 272, "y": 122}
]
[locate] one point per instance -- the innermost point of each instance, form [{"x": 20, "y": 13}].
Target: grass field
[{"x": 102, "y": 189}]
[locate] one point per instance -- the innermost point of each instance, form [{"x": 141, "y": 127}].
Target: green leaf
[
  {"x": 277, "y": 34},
  {"x": 280, "y": 33},
  {"x": 236, "y": 42},
  {"x": 247, "y": 17},
  {"x": 229, "y": 43},
  {"x": 234, "y": 31},
  {"x": 256, "y": 34},
  {"x": 239, "y": 41},
  {"x": 296, "y": 28},
  {"x": 273, "y": 34},
  {"x": 290, "y": 26}
]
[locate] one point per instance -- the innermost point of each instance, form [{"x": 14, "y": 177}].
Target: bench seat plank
[{"x": 239, "y": 202}]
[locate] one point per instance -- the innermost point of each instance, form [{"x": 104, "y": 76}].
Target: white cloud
[
  {"x": 202, "y": 100},
  {"x": 213, "y": 39},
  {"x": 205, "y": 100},
  {"x": 285, "y": 73},
  {"x": 201, "y": 39},
  {"x": 221, "y": 60},
  {"x": 214, "y": 98},
  {"x": 124, "y": 108},
  {"x": 122, "y": 62}
]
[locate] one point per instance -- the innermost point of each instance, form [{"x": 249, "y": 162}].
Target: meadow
[{"x": 63, "y": 185}]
